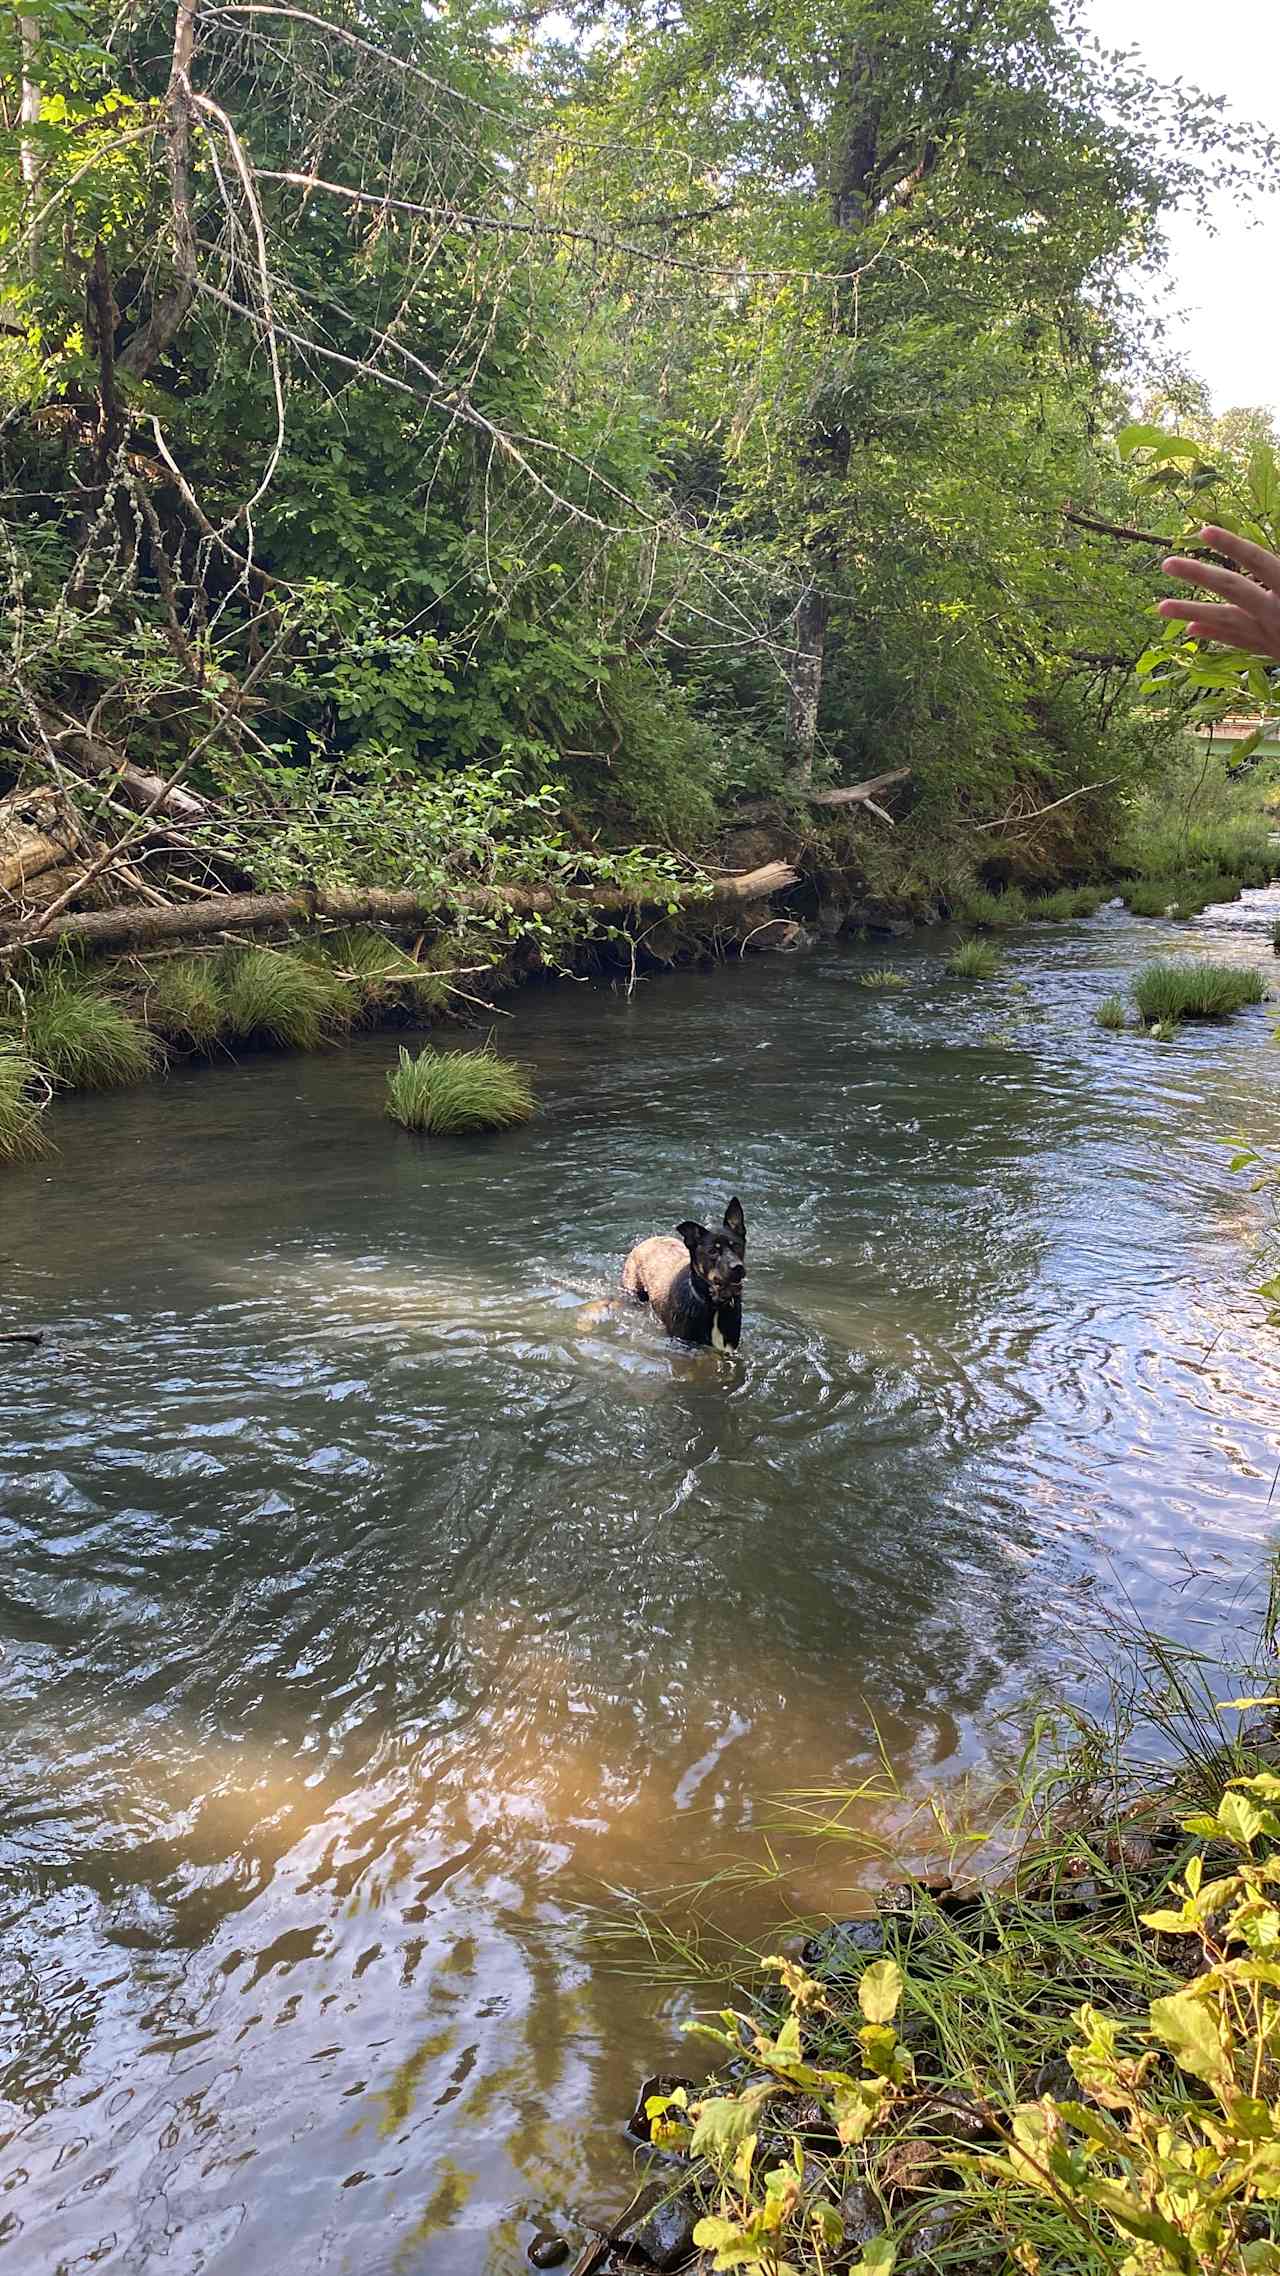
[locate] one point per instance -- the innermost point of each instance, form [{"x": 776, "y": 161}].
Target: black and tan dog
[{"x": 694, "y": 1282}]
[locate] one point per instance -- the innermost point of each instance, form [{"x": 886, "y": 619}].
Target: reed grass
[
  {"x": 449, "y": 1093},
  {"x": 185, "y": 1003},
  {"x": 273, "y": 996},
  {"x": 1111, "y": 1013},
  {"x": 83, "y": 1038},
  {"x": 1188, "y": 989},
  {"x": 22, "y": 1132},
  {"x": 383, "y": 974},
  {"x": 995, "y": 912},
  {"x": 973, "y": 960},
  {"x": 1069, "y": 901},
  {"x": 883, "y": 976}
]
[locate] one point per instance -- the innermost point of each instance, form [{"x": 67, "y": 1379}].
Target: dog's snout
[{"x": 737, "y": 1273}]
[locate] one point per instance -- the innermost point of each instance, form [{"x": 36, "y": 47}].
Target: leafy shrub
[
  {"x": 272, "y": 996},
  {"x": 1182, "y": 989},
  {"x": 973, "y": 960},
  {"x": 448, "y": 1093},
  {"x": 883, "y": 976},
  {"x": 1111, "y": 1013},
  {"x": 22, "y": 1134},
  {"x": 83, "y": 1038},
  {"x": 184, "y": 1002}
]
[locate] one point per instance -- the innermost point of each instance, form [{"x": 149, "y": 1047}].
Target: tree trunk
[
  {"x": 144, "y": 927},
  {"x": 805, "y": 685},
  {"x": 32, "y": 99}
]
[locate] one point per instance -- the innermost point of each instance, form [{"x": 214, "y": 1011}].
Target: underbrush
[
  {"x": 449, "y": 1093},
  {"x": 1187, "y": 989},
  {"x": 1076, "y": 2072}
]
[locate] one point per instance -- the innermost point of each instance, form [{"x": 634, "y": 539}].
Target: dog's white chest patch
[{"x": 717, "y": 1340}]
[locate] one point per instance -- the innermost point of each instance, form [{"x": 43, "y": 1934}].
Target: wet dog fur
[{"x": 693, "y": 1283}]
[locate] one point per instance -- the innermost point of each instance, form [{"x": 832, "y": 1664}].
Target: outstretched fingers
[{"x": 1250, "y": 616}]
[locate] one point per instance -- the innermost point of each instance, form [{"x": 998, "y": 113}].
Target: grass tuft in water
[
  {"x": 1111, "y": 1013},
  {"x": 83, "y": 1038},
  {"x": 1275, "y": 938},
  {"x": 1182, "y": 989},
  {"x": 22, "y": 1134},
  {"x": 184, "y": 1002},
  {"x": 1068, "y": 901},
  {"x": 447, "y": 1093},
  {"x": 973, "y": 960},
  {"x": 995, "y": 912},
  {"x": 272, "y": 996},
  {"x": 883, "y": 976}
]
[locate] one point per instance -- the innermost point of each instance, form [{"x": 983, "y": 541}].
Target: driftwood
[
  {"x": 35, "y": 1336},
  {"x": 36, "y": 833},
  {"x": 136, "y": 926},
  {"x": 139, "y": 784},
  {"x": 860, "y": 793}
]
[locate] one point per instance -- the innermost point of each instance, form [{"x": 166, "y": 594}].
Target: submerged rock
[
  {"x": 548, "y": 2250},
  {"x": 841, "y": 1948},
  {"x": 639, "y": 2124}
]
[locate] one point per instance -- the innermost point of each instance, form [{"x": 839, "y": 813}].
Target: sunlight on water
[{"x": 379, "y": 1596}]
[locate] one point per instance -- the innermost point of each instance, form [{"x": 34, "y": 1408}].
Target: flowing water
[{"x": 367, "y": 1612}]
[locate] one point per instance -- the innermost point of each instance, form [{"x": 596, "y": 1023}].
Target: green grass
[
  {"x": 447, "y": 1093},
  {"x": 1275, "y": 938},
  {"x": 383, "y": 974},
  {"x": 1068, "y": 901},
  {"x": 973, "y": 960},
  {"x": 184, "y": 1002},
  {"x": 1111, "y": 1013},
  {"x": 883, "y": 976},
  {"x": 1184, "y": 989},
  {"x": 995, "y": 912},
  {"x": 22, "y": 1134},
  {"x": 273, "y": 996},
  {"x": 83, "y": 1038},
  {"x": 1180, "y": 896}
]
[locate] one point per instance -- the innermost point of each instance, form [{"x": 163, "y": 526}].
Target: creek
[{"x": 366, "y": 1618}]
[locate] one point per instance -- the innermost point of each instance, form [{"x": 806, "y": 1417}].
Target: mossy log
[{"x": 137, "y": 925}]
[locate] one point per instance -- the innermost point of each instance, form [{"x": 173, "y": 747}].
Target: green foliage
[
  {"x": 184, "y": 1001},
  {"x": 1275, "y": 938},
  {"x": 272, "y": 996},
  {"x": 383, "y": 974},
  {"x": 1068, "y": 901},
  {"x": 883, "y": 976},
  {"x": 973, "y": 960},
  {"x": 449, "y": 1093},
  {"x": 1184, "y": 989},
  {"x": 994, "y": 912},
  {"x": 1111, "y": 1013},
  {"x": 82, "y": 1037},
  {"x": 22, "y": 1132}
]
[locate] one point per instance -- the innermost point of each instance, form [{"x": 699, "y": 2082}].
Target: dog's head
[{"x": 718, "y": 1259}]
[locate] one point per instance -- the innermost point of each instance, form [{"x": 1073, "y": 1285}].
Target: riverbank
[{"x": 1070, "y": 2067}]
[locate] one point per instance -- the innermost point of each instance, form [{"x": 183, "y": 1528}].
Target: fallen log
[
  {"x": 36, "y": 833},
  {"x": 860, "y": 793},
  {"x": 139, "y": 784},
  {"x": 139, "y": 926}
]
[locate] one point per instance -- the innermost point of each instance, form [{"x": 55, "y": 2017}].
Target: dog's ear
[
  {"x": 735, "y": 1222},
  {"x": 691, "y": 1234}
]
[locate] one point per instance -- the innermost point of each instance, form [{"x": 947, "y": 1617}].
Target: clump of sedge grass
[
  {"x": 1185, "y": 989},
  {"x": 83, "y": 1038},
  {"x": 184, "y": 1002},
  {"x": 22, "y": 1134},
  {"x": 1275, "y": 938},
  {"x": 383, "y": 974},
  {"x": 973, "y": 960},
  {"x": 447, "y": 1093},
  {"x": 883, "y": 976},
  {"x": 272, "y": 996},
  {"x": 1181, "y": 896},
  {"x": 1068, "y": 901},
  {"x": 995, "y": 912},
  {"x": 1111, "y": 1013}
]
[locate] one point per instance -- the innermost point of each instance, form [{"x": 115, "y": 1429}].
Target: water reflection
[{"x": 365, "y": 1614}]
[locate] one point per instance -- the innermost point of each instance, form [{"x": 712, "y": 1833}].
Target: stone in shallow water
[
  {"x": 548, "y": 2250},
  {"x": 844, "y": 1942},
  {"x": 658, "y": 2227}
]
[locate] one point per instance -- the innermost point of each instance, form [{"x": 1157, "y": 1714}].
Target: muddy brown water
[{"x": 365, "y": 1619}]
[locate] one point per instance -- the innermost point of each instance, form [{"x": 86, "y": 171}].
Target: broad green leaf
[
  {"x": 877, "y": 2259},
  {"x": 1191, "y": 2035},
  {"x": 880, "y": 1990},
  {"x": 1240, "y": 1819}
]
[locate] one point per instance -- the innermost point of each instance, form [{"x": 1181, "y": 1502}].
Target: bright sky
[{"x": 1228, "y": 285}]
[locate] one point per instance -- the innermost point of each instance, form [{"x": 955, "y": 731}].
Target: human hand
[{"x": 1248, "y": 615}]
